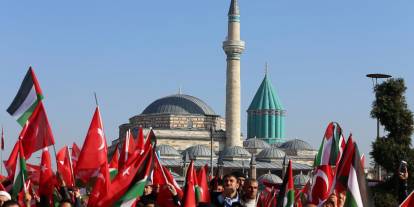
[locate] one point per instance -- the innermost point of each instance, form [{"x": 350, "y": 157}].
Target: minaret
[{"x": 233, "y": 47}]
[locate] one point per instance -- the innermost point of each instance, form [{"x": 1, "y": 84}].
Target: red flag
[
  {"x": 115, "y": 159},
  {"x": 189, "y": 192},
  {"x": 75, "y": 154},
  {"x": 140, "y": 141},
  {"x": 46, "y": 181},
  {"x": 63, "y": 166},
  {"x": 2, "y": 138},
  {"x": 128, "y": 150},
  {"x": 101, "y": 187},
  {"x": 203, "y": 185},
  {"x": 409, "y": 201},
  {"x": 343, "y": 167},
  {"x": 10, "y": 164},
  {"x": 36, "y": 134},
  {"x": 94, "y": 150},
  {"x": 321, "y": 184},
  {"x": 134, "y": 171},
  {"x": 33, "y": 173}
]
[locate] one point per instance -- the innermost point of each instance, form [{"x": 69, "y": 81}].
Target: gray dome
[
  {"x": 179, "y": 104},
  {"x": 300, "y": 180},
  {"x": 167, "y": 150},
  {"x": 276, "y": 145},
  {"x": 254, "y": 143},
  {"x": 197, "y": 151},
  {"x": 270, "y": 178},
  {"x": 235, "y": 151},
  {"x": 296, "y": 144},
  {"x": 270, "y": 154}
]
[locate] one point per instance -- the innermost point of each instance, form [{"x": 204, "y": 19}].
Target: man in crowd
[
  {"x": 250, "y": 189},
  {"x": 230, "y": 196}
]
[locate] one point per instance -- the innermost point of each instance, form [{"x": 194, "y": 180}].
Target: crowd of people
[{"x": 233, "y": 190}]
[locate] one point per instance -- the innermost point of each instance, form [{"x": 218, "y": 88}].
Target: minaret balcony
[{"x": 233, "y": 47}]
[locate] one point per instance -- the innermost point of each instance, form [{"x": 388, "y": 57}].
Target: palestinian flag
[
  {"x": 20, "y": 175},
  {"x": 26, "y": 99},
  {"x": 331, "y": 147},
  {"x": 286, "y": 197},
  {"x": 356, "y": 195},
  {"x": 137, "y": 189}
]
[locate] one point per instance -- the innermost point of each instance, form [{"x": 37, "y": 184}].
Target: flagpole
[
  {"x": 96, "y": 99},
  {"x": 71, "y": 165}
]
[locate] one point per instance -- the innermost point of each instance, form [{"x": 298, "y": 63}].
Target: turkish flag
[
  {"x": 128, "y": 150},
  {"x": 36, "y": 133},
  {"x": 189, "y": 192},
  {"x": 322, "y": 183},
  {"x": 63, "y": 166},
  {"x": 94, "y": 150},
  {"x": 101, "y": 186},
  {"x": 46, "y": 181},
  {"x": 203, "y": 185},
  {"x": 75, "y": 154},
  {"x": 140, "y": 141}
]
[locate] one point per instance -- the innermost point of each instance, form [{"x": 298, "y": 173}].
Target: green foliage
[{"x": 391, "y": 109}]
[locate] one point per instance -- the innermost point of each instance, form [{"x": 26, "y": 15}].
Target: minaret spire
[{"x": 233, "y": 47}]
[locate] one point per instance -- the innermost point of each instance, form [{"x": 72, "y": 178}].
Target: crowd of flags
[{"x": 120, "y": 181}]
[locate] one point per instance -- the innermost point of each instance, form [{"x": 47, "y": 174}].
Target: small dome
[
  {"x": 270, "y": 178},
  {"x": 179, "y": 104},
  {"x": 276, "y": 144},
  {"x": 300, "y": 180},
  {"x": 197, "y": 151},
  {"x": 296, "y": 144},
  {"x": 271, "y": 154},
  {"x": 254, "y": 143},
  {"x": 235, "y": 152},
  {"x": 167, "y": 150}
]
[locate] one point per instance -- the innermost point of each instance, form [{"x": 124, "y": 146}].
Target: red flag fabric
[
  {"x": 36, "y": 134},
  {"x": 115, "y": 159},
  {"x": 63, "y": 166},
  {"x": 101, "y": 187},
  {"x": 94, "y": 150},
  {"x": 46, "y": 181},
  {"x": 134, "y": 171},
  {"x": 75, "y": 154},
  {"x": 343, "y": 167},
  {"x": 128, "y": 149},
  {"x": 189, "y": 193},
  {"x": 10, "y": 164},
  {"x": 321, "y": 184},
  {"x": 203, "y": 185},
  {"x": 140, "y": 141},
  {"x": 33, "y": 173},
  {"x": 409, "y": 201}
]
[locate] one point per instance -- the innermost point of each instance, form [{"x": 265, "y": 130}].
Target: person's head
[
  {"x": 230, "y": 184},
  {"x": 240, "y": 177},
  {"x": 65, "y": 203},
  {"x": 148, "y": 188},
  {"x": 4, "y": 196},
  {"x": 250, "y": 188},
  {"x": 10, "y": 203},
  {"x": 216, "y": 185}
]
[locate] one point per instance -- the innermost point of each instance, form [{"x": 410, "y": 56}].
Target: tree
[{"x": 391, "y": 109}]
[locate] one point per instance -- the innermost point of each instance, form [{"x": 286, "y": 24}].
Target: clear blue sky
[{"x": 133, "y": 52}]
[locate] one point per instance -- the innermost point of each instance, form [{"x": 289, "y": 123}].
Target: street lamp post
[{"x": 374, "y": 77}]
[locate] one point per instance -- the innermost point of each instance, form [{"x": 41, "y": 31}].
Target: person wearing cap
[{"x": 4, "y": 196}]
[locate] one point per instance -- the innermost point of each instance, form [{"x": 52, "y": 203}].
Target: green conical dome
[
  {"x": 265, "y": 118},
  {"x": 266, "y": 97}
]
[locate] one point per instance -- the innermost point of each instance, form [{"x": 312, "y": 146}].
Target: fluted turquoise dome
[{"x": 266, "y": 114}]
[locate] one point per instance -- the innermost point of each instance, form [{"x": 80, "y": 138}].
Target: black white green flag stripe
[{"x": 27, "y": 98}]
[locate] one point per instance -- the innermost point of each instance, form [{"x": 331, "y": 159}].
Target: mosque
[{"x": 188, "y": 129}]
